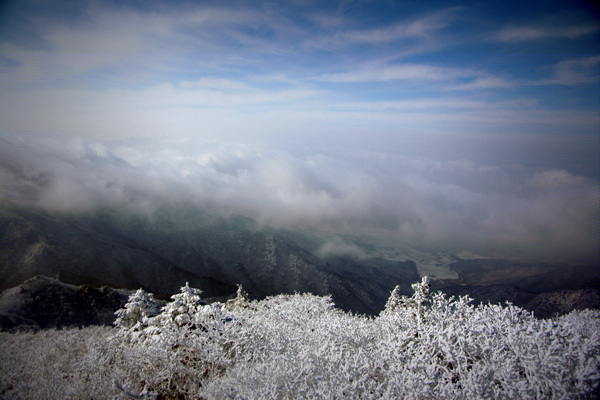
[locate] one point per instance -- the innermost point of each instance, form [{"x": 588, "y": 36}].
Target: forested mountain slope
[{"x": 162, "y": 251}]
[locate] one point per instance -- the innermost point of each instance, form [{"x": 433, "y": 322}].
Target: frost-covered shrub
[
  {"x": 426, "y": 346},
  {"x": 179, "y": 349},
  {"x": 59, "y": 364}
]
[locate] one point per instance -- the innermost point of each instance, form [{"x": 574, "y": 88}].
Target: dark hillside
[{"x": 163, "y": 251}]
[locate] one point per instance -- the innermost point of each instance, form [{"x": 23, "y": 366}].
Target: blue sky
[{"x": 505, "y": 86}]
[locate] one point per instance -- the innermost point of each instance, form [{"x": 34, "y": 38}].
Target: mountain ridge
[
  {"x": 160, "y": 255},
  {"x": 163, "y": 250}
]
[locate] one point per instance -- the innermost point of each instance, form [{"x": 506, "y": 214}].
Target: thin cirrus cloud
[
  {"x": 419, "y": 28},
  {"x": 530, "y": 33},
  {"x": 566, "y": 72},
  {"x": 577, "y": 71},
  {"x": 414, "y": 72},
  {"x": 124, "y": 43}
]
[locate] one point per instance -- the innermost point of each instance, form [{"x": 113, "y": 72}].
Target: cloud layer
[
  {"x": 472, "y": 128},
  {"x": 457, "y": 205}
]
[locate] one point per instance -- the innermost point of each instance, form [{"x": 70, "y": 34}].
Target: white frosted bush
[
  {"x": 52, "y": 364},
  {"x": 425, "y": 346}
]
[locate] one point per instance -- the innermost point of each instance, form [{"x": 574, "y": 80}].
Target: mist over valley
[
  {"x": 353, "y": 226},
  {"x": 162, "y": 250}
]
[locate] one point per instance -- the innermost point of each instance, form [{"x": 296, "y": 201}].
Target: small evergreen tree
[
  {"x": 240, "y": 300},
  {"x": 184, "y": 307},
  {"x": 139, "y": 308}
]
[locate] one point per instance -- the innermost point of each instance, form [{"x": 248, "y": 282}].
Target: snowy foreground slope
[{"x": 301, "y": 346}]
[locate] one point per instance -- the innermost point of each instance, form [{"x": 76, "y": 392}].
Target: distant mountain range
[
  {"x": 161, "y": 251},
  {"x": 543, "y": 288}
]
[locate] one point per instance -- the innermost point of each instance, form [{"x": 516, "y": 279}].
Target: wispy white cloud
[
  {"x": 482, "y": 82},
  {"x": 380, "y": 73},
  {"x": 575, "y": 72},
  {"x": 438, "y": 78},
  {"x": 567, "y": 72},
  {"x": 418, "y": 28},
  {"x": 423, "y": 104},
  {"x": 124, "y": 43},
  {"x": 527, "y": 33}
]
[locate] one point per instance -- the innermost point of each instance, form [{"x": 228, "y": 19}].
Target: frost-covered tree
[
  {"x": 139, "y": 308},
  {"x": 240, "y": 300},
  {"x": 184, "y": 307},
  {"x": 411, "y": 309}
]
